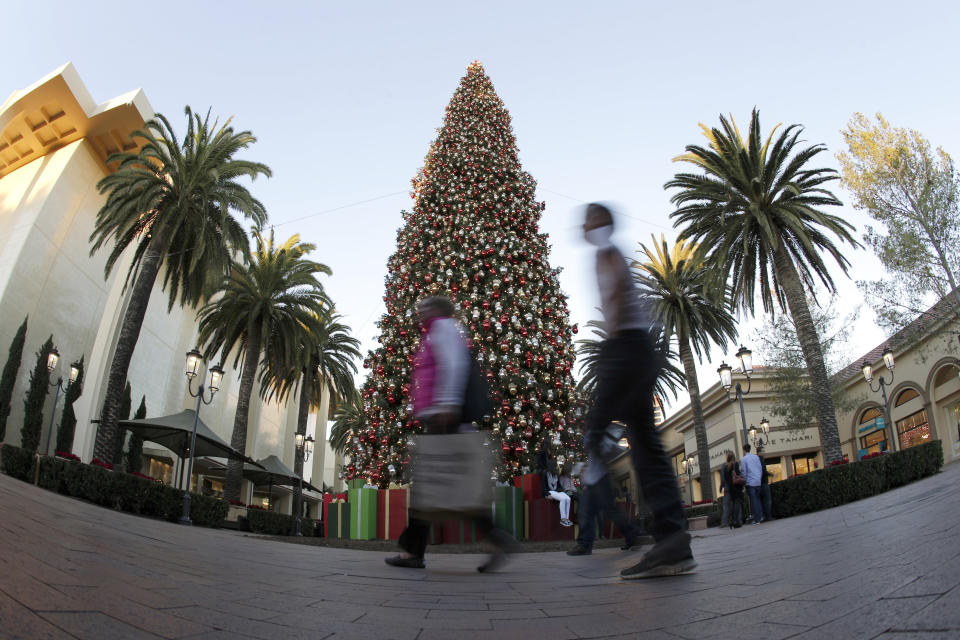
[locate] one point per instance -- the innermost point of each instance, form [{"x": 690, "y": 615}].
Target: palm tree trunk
[
  {"x": 793, "y": 289},
  {"x": 129, "y": 334},
  {"x": 699, "y": 426},
  {"x": 251, "y": 358},
  {"x": 303, "y": 410}
]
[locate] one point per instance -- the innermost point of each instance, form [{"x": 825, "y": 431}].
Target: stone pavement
[{"x": 887, "y": 567}]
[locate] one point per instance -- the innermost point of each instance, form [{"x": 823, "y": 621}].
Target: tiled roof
[{"x": 932, "y": 316}]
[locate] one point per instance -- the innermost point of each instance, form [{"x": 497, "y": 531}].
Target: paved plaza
[{"x": 887, "y": 567}]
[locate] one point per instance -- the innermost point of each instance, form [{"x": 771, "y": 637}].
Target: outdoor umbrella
[
  {"x": 174, "y": 431},
  {"x": 271, "y": 471}
]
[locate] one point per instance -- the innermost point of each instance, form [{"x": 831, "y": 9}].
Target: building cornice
[{"x": 57, "y": 110}]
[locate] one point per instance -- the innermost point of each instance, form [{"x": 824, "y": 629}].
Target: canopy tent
[{"x": 174, "y": 432}]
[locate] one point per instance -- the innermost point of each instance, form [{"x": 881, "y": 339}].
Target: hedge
[
  {"x": 837, "y": 485},
  {"x": 114, "y": 489},
  {"x": 278, "y": 524}
]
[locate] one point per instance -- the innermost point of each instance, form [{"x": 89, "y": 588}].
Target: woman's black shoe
[{"x": 409, "y": 563}]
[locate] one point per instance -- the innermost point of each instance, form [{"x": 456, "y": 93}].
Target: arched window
[
  {"x": 872, "y": 440},
  {"x": 946, "y": 374},
  {"x": 906, "y": 396}
]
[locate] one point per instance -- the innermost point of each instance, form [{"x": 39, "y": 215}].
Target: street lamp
[
  {"x": 688, "y": 467},
  {"x": 52, "y": 359},
  {"x": 726, "y": 380},
  {"x": 194, "y": 358},
  {"x": 759, "y": 442},
  {"x": 304, "y": 449},
  {"x": 882, "y": 387}
]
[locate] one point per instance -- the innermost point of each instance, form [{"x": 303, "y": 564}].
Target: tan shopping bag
[{"x": 451, "y": 476}]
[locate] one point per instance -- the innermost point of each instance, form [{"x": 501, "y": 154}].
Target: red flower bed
[
  {"x": 67, "y": 455},
  {"x": 100, "y": 463},
  {"x": 837, "y": 463},
  {"x": 875, "y": 454},
  {"x": 256, "y": 506},
  {"x": 237, "y": 503},
  {"x": 146, "y": 477}
]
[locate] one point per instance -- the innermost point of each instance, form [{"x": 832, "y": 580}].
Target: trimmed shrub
[
  {"x": 834, "y": 486},
  {"x": 278, "y": 524},
  {"x": 17, "y": 462},
  {"x": 8, "y": 379},
  {"x": 37, "y": 392},
  {"x": 121, "y": 491}
]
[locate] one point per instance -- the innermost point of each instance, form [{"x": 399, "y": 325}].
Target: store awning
[
  {"x": 270, "y": 471},
  {"x": 174, "y": 433}
]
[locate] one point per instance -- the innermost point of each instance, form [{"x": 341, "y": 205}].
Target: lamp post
[
  {"x": 726, "y": 380},
  {"x": 52, "y": 359},
  {"x": 688, "y": 467},
  {"x": 882, "y": 387},
  {"x": 194, "y": 358},
  {"x": 758, "y": 441},
  {"x": 304, "y": 449}
]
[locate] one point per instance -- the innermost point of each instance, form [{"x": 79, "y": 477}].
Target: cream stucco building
[
  {"x": 924, "y": 402},
  {"x": 54, "y": 142}
]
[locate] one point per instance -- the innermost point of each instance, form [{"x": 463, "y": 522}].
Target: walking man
[
  {"x": 596, "y": 501},
  {"x": 753, "y": 472},
  {"x": 628, "y": 369}
]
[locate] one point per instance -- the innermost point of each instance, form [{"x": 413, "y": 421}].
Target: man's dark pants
[
  {"x": 627, "y": 374},
  {"x": 756, "y": 508},
  {"x": 597, "y": 500}
]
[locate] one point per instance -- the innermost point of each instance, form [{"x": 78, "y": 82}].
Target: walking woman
[{"x": 733, "y": 482}]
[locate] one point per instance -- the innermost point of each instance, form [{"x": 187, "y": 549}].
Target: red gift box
[
  {"x": 531, "y": 485},
  {"x": 542, "y": 521},
  {"x": 327, "y": 499},
  {"x": 458, "y": 531},
  {"x": 392, "y": 507}
]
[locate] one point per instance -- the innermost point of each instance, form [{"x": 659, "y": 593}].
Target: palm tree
[
  {"x": 755, "y": 214},
  {"x": 678, "y": 288},
  {"x": 263, "y": 308},
  {"x": 324, "y": 361},
  {"x": 173, "y": 200},
  {"x": 669, "y": 380},
  {"x": 348, "y": 420}
]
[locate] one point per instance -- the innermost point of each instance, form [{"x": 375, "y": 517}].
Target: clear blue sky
[{"x": 345, "y": 100}]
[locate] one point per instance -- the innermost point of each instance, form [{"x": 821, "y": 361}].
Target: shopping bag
[{"x": 451, "y": 475}]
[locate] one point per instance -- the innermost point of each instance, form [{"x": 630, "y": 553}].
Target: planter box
[
  {"x": 234, "y": 512},
  {"x": 697, "y": 524}
]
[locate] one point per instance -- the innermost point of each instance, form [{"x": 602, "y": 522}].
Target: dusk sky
[{"x": 345, "y": 99}]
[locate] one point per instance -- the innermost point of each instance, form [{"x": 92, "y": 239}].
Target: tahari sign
[
  {"x": 787, "y": 439},
  {"x": 718, "y": 453}
]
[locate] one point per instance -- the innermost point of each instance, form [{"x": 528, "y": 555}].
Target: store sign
[
  {"x": 793, "y": 438},
  {"x": 877, "y": 423},
  {"x": 718, "y": 454}
]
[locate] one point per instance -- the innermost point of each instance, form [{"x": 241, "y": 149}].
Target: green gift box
[
  {"x": 338, "y": 520},
  {"x": 508, "y": 510},
  {"x": 356, "y": 483},
  {"x": 363, "y": 513}
]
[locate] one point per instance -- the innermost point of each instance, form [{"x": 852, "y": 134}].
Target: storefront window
[
  {"x": 953, "y": 417},
  {"x": 804, "y": 463},
  {"x": 874, "y": 442},
  {"x": 774, "y": 468},
  {"x": 914, "y": 429},
  {"x": 678, "y": 463}
]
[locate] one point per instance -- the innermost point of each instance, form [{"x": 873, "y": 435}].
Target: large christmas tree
[{"x": 473, "y": 236}]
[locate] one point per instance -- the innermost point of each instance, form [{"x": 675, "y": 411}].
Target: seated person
[{"x": 550, "y": 481}]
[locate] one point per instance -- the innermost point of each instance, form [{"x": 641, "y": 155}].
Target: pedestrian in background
[
  {"x": 733, "y": 482},
  {"x": 627, "y": 372},
  {"x": 766, "y": 500},
  {"x": 753, "y": 472}
]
